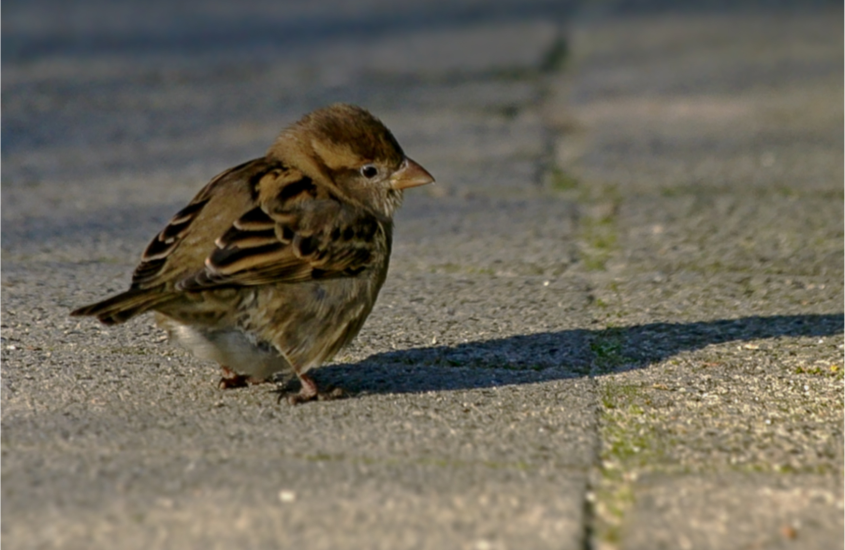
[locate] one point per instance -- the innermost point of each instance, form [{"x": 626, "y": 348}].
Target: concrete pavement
[{"x": 615, "y": 322}]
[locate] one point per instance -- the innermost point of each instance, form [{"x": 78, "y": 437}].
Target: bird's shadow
[{"x": 559, "y": 355}]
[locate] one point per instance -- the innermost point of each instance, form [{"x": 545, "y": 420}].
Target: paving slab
[
  {"x": 706, "y": 152},
  {"x": 472, "y": 418}
]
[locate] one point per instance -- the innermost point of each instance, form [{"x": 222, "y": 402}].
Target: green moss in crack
[
  {"x": 607, "y": 348},
  {"x": 833, "y": 371},
  {"x": 507, "y": 111},
  {"x": 556, "y": 56},
  {"x": 561, "y": 181},
  {"x": 613, "y": 499},
  {"x": 599, "y": 241}
]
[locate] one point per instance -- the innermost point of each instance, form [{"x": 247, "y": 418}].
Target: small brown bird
[{"x": 275, "y": 265}]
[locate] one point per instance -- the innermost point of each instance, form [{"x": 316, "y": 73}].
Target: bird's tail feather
[{"x": 124, "y": 306}]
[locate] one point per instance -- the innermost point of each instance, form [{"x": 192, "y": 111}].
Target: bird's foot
[
  {"x": 231, "y": 379},
  {"x": 309, "y": 392}
]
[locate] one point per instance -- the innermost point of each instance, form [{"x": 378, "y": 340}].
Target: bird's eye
[{"x": 369, "y": 171}]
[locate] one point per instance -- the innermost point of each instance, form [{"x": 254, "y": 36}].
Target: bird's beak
[{"x": 410, "y": 174}]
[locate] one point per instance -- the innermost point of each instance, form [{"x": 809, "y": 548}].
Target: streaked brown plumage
[{"x": 276, "y": 264}]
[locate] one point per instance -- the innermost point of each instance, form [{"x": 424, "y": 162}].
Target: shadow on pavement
[{"x": 559, "y": 355}]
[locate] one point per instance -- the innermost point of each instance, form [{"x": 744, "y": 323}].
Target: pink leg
[{"x": 309, "y": 392}]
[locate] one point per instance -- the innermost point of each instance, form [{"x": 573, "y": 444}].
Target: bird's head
[{"x": 355, "y": 152}]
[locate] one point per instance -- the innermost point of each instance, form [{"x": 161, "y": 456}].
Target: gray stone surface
[
  {"x": 471, "y": 424},
  {"x": 706, "y": 156},
  {"x": 616, "y": 320}
]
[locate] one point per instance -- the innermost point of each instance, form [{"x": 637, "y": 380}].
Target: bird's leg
[
  {"x": 231, "y": 379},
  {"x": 309, "y": 392}
]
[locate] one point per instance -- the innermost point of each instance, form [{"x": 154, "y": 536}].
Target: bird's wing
[
  {"x": 182, "y": 246},
  {"x": 228, "y": 236},
  {"x": 315, "y": 239}
]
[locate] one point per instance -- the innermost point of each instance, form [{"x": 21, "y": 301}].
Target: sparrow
[{"x": 276, "y": 263}]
